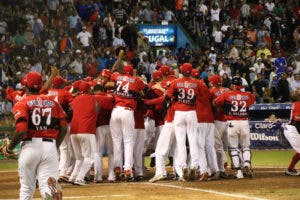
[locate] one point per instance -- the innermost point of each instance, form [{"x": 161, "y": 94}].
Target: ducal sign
[{"x": 159, "y": 35}]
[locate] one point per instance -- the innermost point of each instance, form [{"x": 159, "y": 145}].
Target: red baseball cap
[
  {"x": 195, "y": 73},
  {"x": 186, "y": 68},
  {"x": 34, "y": 80},
  {"x": 58, "y": 80},
  {"x": 171, "y": 72},
  {"x": 128, "y": 69},
  {"x": 156, "y": 75},
  {"x": 88, "y": 79},
  {"x": 165, "y": 70},
  {"x": 105, "y": 73},
  {"x": 84, "y": 87},
  {"x": 215, "y": 80},
  {"x": 76, "y": 84},
  {"x": 23, "y": 80}
]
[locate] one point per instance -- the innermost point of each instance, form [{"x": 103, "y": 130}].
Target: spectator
[
  {"x": 76, "y": 67},
  {"x": 280, "y": 63},
  {"x": 84, "y": 38},
  {"x": 277, "y": 48},
  {"x": 283, "y": 89},
  {"x": 295, "y": 84},
  {"x": 120, "y": 14},
  {"x": 258, "y": 88},
  {"x": 147, "y": 14}
]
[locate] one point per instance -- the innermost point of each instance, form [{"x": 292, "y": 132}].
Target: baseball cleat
[
  {"x": 63, "y": 179},
  {"x": 181, "y": 179},
  {"x": 118, "y": 172},
  {"x": 224, "y": 175},
  {"x": 56, "y": 191},
  {"x": 80, "y": 182},
  {"x": 203, "y": 177},
  {"x": 139, "y": 178},
  {"x": 185, "y": 173},
  {"x": 239, "y": 174},
  {"x": 193, "y": 172},
  {"x": 128, "y": 175},
  {"x": 214, "y": 176},
  {"x": 157, "y": 178},
  {"x": 291, "y": 172},
  {"x": 249, "y": 172}
]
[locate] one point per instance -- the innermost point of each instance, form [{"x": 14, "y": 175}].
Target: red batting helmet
[
  {"x": 215, "y": 80},
  {"x": 128, "y": 69},
  {"x": 105, "y": 73},
  {"x": 156, "y": 75},
  {"x": 58, "y": 80},
  {"x": 186, "y": 68},
  {"x": 165, "y": 70},
  {"x": 195, "y": 73},
  {"x": 34, "y": 80}
]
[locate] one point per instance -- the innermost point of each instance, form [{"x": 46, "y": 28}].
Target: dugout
[{"x": 260, "y": 112}]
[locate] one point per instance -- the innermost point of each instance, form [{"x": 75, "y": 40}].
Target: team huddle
[{"x": 181, "y": 117}]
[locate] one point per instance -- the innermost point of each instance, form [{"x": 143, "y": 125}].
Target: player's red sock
[{"x": 294, "y": 161}]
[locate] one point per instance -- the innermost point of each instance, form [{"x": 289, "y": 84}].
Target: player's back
[
  {"x": 236, "y": 104},
  {"x": 43, "y": 115},
  {"x": 184, "y": 91},
  {"x": 127, "y": 90}
]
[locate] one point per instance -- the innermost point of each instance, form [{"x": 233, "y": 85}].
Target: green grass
[{"x": 263, "y": 158}]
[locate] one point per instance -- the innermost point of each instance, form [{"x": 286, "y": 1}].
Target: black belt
[{"x": 43, "y": 139}]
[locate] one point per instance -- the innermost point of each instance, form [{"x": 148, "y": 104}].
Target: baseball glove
[{"x": 6, "y": 153}]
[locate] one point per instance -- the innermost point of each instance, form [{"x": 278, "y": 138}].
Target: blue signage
[
  {"x": 267, "y": 135},
  {"x": 159, "y": 35}
]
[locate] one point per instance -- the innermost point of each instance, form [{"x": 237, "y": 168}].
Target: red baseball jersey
[
  {"x": 203, "y": 105},
  {"x": 127, "y": 90},
  {"x": 139, "y": 115},
  {"x": 85, "y": 112},
  {"x": 215, "y": 92},
  {"x": 43, "y": 115},
  {"x": 14, "y": 95},
  {"x": 62, "y": 96},
  {"x": 184, "y": 92},
  {"x": 105, "y": 103},
  {"x": 167, "y": 81},
  {"x": 295, "y": 113},
  {"x": 235, "y": 104}
]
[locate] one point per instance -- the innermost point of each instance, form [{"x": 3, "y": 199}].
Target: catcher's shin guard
[
  {"x": 56, "y": 191},
  {"x": 246, "y": 156},
  {"x": 235, "y": 160}
]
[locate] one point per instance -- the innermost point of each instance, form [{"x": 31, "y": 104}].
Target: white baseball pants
[
  {"x": 207, "y": 155},
  {"x": 38, "y": 160},
  {"x": 185, "y": 124},
  {"x": 220, "y": 134},
  {"x": 292, "y": 135},
  {"x": 164, "y": 142},
  {"x": 103, "y": 139},
  {"x": 122, "y": 131},
  {"x": 138, "y": 151},
  {"x": 239, "y": 134},
  {"x": 84, "y": 146},
  {"x": 64, "y": 154}
]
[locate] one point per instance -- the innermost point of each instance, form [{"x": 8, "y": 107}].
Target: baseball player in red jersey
[
  {"x": 139, "y": 143},
  {"x": 41, "y": 127},
  {"x": 64, "y": 98},
  {"x": 126, "y": 91},
  {"x": 83, "y": 129},
  {"x": 184, "y": 92},
  {"x": 291, "y": 132},
  {"x": 207, "y": 154},
  {"x": 221, "y": 136},
  {"x": 236, "y": 104},
  {"x": 103, "y": 135}
]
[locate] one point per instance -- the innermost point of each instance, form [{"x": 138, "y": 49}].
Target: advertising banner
[
  {"x": 267, "y": 135},
  {"x": 159, "y": 35}
]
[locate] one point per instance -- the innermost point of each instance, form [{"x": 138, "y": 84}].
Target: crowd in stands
[{"x": 258, "y": 40}]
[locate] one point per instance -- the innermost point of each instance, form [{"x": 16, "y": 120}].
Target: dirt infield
[{"x": 268, "y": 183}]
